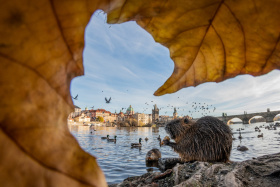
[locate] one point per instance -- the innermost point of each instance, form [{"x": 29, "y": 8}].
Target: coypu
[
  {"x": 207, "y": 139},
  {"x": 153, "y": 155}
]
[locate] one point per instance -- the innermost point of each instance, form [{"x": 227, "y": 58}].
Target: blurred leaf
[{"x": 41, "y": 48}]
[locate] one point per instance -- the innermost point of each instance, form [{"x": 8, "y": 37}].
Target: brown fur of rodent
[{"x": 207, "y": 139}]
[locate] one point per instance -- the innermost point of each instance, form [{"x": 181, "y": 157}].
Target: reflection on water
[{"x": 119, "y": 161}]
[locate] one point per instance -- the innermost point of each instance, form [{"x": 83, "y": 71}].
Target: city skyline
[{"x": 124, "y": 62}]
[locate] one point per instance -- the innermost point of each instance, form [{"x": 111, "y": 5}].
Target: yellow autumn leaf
[
  {"x": 208, "y": 40},
  {"x": 41, "y": 48}
]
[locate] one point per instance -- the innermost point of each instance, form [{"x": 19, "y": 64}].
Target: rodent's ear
[{"x": 186, "y": 120}]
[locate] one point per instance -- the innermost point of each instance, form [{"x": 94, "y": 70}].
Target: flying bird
[
  {"x": 76, "y": 97},
  {"x": 107, "y": 100}
]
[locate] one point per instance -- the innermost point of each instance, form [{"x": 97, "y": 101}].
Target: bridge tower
[
  {"x": 155, "y": 114},
  {"x": 245, "y": 119},
  {"x": 268, "y": 116},
  {"x": 224, "y": 118}
]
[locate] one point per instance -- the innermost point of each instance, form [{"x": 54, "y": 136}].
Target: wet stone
[
  {"x": 168, "y": 163},
  {"x": 187, "y": 176},
  {"x": 263, "y": 171},
  {"x": 224, "y": 171}
]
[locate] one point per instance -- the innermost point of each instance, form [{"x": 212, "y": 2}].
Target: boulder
[{"x": 262, "y": 171}]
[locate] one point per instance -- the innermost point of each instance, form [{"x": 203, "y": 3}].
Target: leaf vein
[
  {"x": 273, "y": 50},
  {"x": 173, "y": 38},
  {"x": 121, "y": 9},
  {"x": 225, "y": 62},
  {"x": 60, "y": 28},
  {"x": 163, "y": 4},
  {"x": 33, "y": 70},
  {"x": 243, "y": 32}
]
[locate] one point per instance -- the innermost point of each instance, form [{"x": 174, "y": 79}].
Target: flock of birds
[
  {"x": 191, "y": 109},
  {"x": 257, "y": 129}
]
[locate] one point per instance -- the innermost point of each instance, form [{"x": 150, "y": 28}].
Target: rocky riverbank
[{"x": 262, "y": 171}]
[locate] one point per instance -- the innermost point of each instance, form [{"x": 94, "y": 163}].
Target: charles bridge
[{"x": 268, "y": 116}]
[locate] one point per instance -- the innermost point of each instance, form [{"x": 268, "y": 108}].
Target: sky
[{"x": 122, "y": 61}]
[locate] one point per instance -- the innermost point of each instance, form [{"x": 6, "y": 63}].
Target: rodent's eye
[{"x": 186, "y": 120}]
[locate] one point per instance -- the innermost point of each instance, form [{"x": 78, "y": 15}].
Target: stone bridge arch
[
  {"x": 234, "y": 120},
  {"x": 276, "y": 117},
  {"x": 268, "y": 116},
  {"x": 256, "y": 117}
]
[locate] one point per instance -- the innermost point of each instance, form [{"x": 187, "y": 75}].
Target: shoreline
[
  {"x": 261, "y": 171},
  {"x": 104, "y": 124}
]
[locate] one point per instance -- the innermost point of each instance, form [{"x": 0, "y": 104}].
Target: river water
[{"x": 119, "y": 161}]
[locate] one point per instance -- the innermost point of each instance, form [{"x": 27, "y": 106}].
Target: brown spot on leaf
[{"x": 15, "y": 18}]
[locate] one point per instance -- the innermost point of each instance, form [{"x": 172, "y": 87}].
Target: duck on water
[
  {"x": 137, "y": 144},
  {"x": 112, "y": 140},
  {"x": 107, "y": 137}
]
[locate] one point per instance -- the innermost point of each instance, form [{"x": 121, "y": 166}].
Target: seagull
[
  {"x": 107, "y": 100},
  {"x": 92, "y": 107},
  {"x": 76, "y": 97}
]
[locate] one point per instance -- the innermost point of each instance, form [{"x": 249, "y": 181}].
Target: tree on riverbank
[
  {"x": 128, "y": 123},
  {"x": 100, "y": 118}
]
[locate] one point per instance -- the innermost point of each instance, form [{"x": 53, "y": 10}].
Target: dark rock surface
[
  {"x": 263, "y": 171},
  {"x": 168, "y": 163}
]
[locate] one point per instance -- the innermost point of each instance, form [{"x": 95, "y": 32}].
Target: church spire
[{"x": 175, "y": 114}]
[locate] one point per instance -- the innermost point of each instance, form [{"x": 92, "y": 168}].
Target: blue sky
[{"x": 123, "y": 62}]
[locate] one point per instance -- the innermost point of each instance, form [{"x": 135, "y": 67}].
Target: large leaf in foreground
[
  {"x": 209, "y": 40},
  {"x": 41, "y": 47}
]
